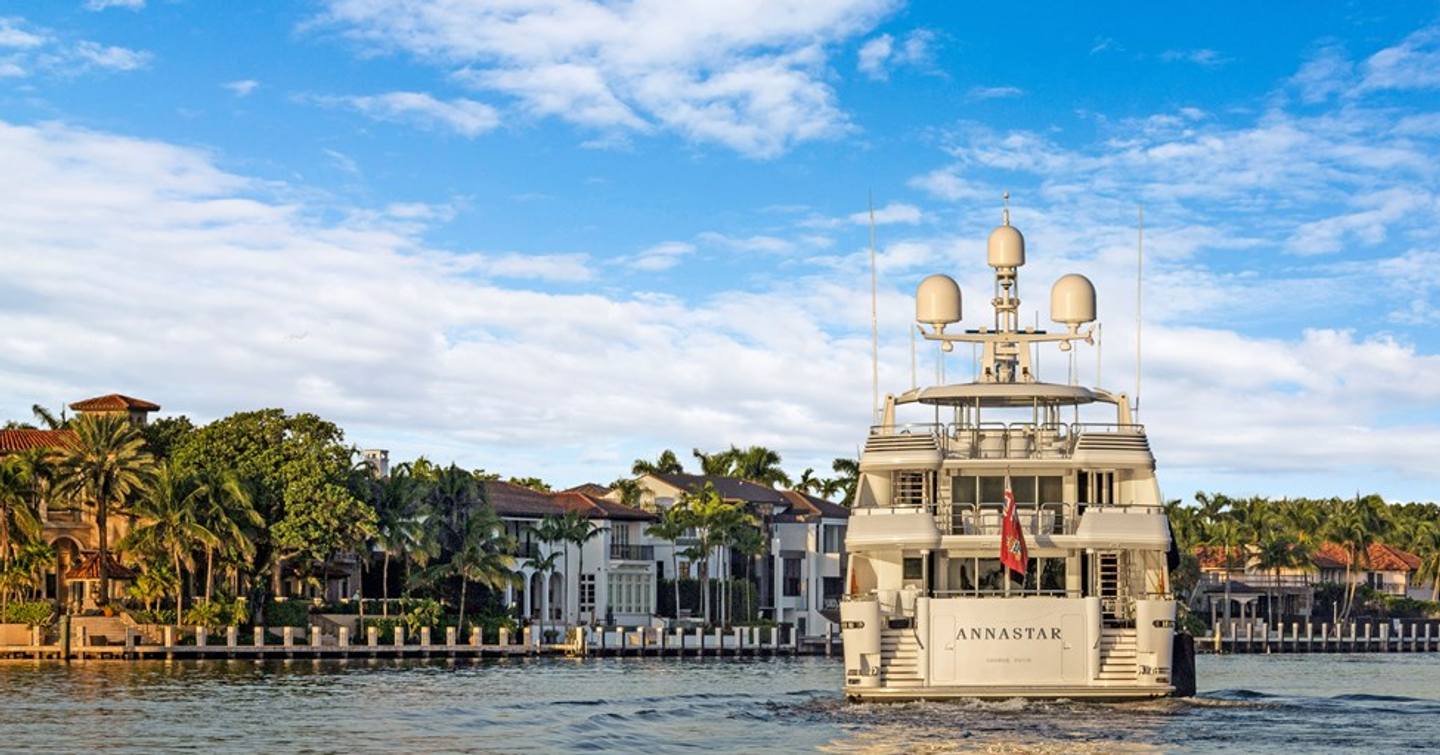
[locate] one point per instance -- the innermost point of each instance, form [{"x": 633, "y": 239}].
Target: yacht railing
[{"x": 999, "y": 440}]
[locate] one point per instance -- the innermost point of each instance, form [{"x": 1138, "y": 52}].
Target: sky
[{"x": 547, "y": 238}]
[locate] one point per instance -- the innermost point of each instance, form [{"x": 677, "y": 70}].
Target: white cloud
[
  {"x": 880, "y": 55},
  {"x": 756, "y": 243},
  {"x": 994, "y": 93},
  {"x": 99, "y": 5},
  {"x": 463, "y": 116},
  {"x": 26, "y": 50},
  {"x": 895, "y": 212},
  {"x": 662, "y": 256},
  {"x": 1327, "y": 72},
  {"x": 873, "y": 56},
  {"x": 748, "y": 75},
  {"x": 242, "y": 87},
  {"x": 1201, "y": 57},
  {"x": 12, "y": 35},
  {"x": 140, "y": 265},
  {"x": 1412, "y": 64},
  {"x": 110, "y": 57}
]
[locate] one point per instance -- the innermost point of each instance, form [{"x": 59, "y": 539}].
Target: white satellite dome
[
  {"x": 1072, "y": 300},
  {"x": 937, "y": 301},
  {"x": 1006, "y": 247}
]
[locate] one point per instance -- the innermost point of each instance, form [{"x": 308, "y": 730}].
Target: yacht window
[
  {"x": 1052, "y": 575},
  {"x": 992, "y": 575},
  {"x": 962, "y": 490},
  {"x": 1023, "y": 488},
  {"x": 914, "y": 568},
  {"x": 1052, "y": 489},
  {"x": 910, "y": 488},
  {"x": 992, "y": 489}
]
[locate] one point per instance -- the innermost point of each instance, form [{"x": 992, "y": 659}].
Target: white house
[
  {"x": 799, "y": 578},
  {"x": 610, "y": 580}
]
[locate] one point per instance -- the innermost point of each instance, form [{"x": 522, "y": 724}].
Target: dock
[
  {"x": 1396, "y": 636},
  {"x": 298, "y": 642}
]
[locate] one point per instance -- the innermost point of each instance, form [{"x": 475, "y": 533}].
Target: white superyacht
[{"x": 1084, "y": 608}]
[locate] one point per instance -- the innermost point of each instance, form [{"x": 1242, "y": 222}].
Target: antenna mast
[
  {"x": 1139, "y": 288},
  {"x": 874, "y": 316}
]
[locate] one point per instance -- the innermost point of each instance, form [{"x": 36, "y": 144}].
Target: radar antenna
[{"x": 1008, "y": 348}]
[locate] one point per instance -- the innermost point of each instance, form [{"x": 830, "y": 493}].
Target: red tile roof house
[
  {"x": 1387, "y": 569},
  {"x": 72, "y": 579}
]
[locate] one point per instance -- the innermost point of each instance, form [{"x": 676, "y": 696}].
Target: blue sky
[{"x": 546, "y": 238}]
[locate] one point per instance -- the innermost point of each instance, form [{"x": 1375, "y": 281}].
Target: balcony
[
  {"x": 1016, "y": 440},
  {"x": 988, "y": 519},
  {"x": 623, "y": 552}
]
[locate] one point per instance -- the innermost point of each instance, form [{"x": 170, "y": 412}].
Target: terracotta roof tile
[
  {"x": 805, "y": 505},
  {"x": 600, "y": 508},
  {"x": 114, "y": 402},
  {"x": 1381, "y": 557},
  {"x": 590, "y": 488},
  {"x": 14, "y": 441},
  {"x": 509, "y": 499}
]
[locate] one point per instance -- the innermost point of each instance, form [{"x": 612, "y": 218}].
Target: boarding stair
[
  {"x": 1117, "y": 655},
  {"x": 900, "y": 658}
]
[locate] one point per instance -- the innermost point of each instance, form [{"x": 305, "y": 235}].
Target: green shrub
[
  {"x": 39, "y": 613},
  {"x": 156, "y": 616},
  {"x": 291, "y": 613},
  {"x": 207, "y": 613}
]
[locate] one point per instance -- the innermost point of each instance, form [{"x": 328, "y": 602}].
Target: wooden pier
[
  {"x": 1401, "y": 636},
  {"x": 297, "y": 642}
]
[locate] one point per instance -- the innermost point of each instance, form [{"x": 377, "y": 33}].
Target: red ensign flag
[{"x": 1013, "y": 553}]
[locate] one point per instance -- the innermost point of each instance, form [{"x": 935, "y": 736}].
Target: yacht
[{"x": 1079, "y": 603}]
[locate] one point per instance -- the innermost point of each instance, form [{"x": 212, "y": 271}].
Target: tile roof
[
  {"x": 1381, "y": 557},
  {"x": 730, "y": 488},
  {"x": 804, "y": 505},
  {"x": 1213, "y": 557},
  {"x": 114, "y": 402},
  {"x": 89, "y": 568},
  {"x": 600, "y": 508},
  {"x": 509, "y": 499},
  {"x": 590, "y": 488},
  {"x": 14, "y": 441}
]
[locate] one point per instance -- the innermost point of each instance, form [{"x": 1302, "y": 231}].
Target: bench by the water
[{"x": 1397, "y": 636}]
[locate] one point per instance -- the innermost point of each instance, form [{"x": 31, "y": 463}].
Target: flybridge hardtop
[{"x": 932, "y": 610}]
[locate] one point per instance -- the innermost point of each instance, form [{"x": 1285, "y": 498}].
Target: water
[{"x": 1294, "y": 703}]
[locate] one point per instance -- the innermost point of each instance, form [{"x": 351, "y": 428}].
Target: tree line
[{"x": 1279, "y": 535}]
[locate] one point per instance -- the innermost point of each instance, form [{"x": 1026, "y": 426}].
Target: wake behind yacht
[{"x": 1002, "y": 463}]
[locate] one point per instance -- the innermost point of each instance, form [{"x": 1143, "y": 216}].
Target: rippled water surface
[{"x": 1292, "y": 704}]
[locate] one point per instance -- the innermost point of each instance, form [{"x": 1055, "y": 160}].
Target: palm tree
[
  {"x": 666, "y": 463},
  {"x": 749, "y": 541},
  {"x": 48, "y": 419},
  {"x": 720, "y": 463},
  {"x": 400, "y": 522},
  {"x": 847, "y": 477},
  {"x": 227, "y": 511},
  {"x": 759, "y": 464},
  {"x": 542, "y": 566},
  {"x": 1358, "y": 524},
  {"x": 105, "y": 465},
  {"x": 1429, "y": 570},
  {"x": 631, "y": 492},
  {"x": 551, "y": 530},
  {"x": 167, "y": 525},
  {"x": 579, "y": 530},
  {"x": 19, "y": 521},
  {"x": 671, "y": 526},
  {"x": 1226, "y": 535},
  {"x": 1277, "y": 550},
  {"x": 484, "y": 556},
  {"x": 710, "y": 514},
  {"x": 809, "y": 483}
]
